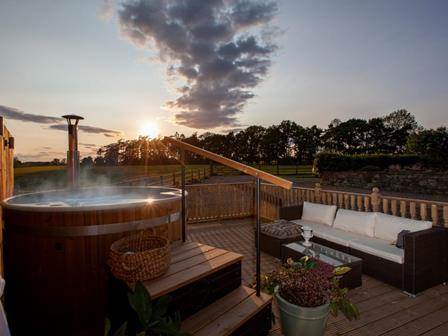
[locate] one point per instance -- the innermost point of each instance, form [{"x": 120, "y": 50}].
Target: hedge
[{"x": 368, "y": 162}]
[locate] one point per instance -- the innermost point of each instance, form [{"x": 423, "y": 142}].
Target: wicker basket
[{"x": 139, "y": 257}]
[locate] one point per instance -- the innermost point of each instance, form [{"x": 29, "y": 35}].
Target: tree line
[{"x": 290, "y": 143}]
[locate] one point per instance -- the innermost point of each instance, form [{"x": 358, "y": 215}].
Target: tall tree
[
  {"x": 399, "y": 124},
  {"x": 431, "y": 143},
  {"x": 250, "y": 142},
  {"x": 347, "y": 137},
  {"x": 307, "y": 142}
]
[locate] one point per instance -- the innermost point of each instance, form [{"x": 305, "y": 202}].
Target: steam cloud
[
  {"x": 221, "y": 48},
  {"x": 57, "y": 123}
]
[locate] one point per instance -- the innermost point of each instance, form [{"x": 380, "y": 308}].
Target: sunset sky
[{"x": 238, "y": 63}]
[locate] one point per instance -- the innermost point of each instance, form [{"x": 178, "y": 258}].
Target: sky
[{"x": 251, "y": 62}]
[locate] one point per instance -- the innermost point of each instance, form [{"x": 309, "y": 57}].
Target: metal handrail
[{"x": 258, "y": 174}]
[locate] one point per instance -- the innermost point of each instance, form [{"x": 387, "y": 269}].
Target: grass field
[
  {"x": 28, "y": 179},
  {"x": 32, "y": 170}
]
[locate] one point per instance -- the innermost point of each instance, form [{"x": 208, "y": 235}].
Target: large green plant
[{"x": 151, "y": 318}]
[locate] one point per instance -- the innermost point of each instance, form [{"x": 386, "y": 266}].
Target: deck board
[
  {"x": 191, "y": 253},
  {"x": 179, "y": 266},
  {"x": 385, "y": 310},
  {"x": 441, "y": 330},
  {"x": 422, "y": 325},
  {"x": 220, "y": 307},
  {"x": 226, "y": 315},
  {"x": 187, "y": 270},
  {"x": 401, "y": 317}
]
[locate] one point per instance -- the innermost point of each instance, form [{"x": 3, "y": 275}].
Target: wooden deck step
[
  {"x": 228, "y": 314},
  {"x": 190, "y": 262}
]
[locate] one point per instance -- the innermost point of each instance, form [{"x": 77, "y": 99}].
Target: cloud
[
  {"x": 40, "y": 156},
  {"x": 220, "y": 49},
  {"x": 89, "y": 129},
  {"x": 16, "y": 114},
  {"x": 57, "y": 122},
  {"x": 106, "y": 11},
  {"x": 88, "y": 145}
]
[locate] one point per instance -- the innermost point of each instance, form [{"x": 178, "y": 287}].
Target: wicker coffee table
[{"x": 351, "y": 279}]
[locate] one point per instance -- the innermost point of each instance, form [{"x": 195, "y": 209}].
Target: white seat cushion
[
  {"x": 319, "y": 213},
  {"x": 355, "y": 221},
  {"x": 379, "y": 248},
  {"x": 329, "y": 233},
  {"x": 387, "y": 227}
]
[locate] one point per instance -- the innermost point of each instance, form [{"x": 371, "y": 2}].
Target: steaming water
[{"x": 94, "y": 197}]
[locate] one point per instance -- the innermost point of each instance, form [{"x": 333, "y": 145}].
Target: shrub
[
  {"x": 311, "y": 283},
  {"x": 334, "y": 162}
]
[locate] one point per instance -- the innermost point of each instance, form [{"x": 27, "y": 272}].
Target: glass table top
[{"x": 323, "y": 253}]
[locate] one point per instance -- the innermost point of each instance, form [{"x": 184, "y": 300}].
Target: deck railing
[
  {"x": 207, "y": 202},
  {"x": 236, "y": 200}
]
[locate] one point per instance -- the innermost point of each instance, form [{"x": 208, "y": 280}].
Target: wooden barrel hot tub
[{"x": 56, "y": 248}]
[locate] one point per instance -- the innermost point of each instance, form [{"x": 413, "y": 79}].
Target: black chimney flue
[{"x": 73, "y": 153}]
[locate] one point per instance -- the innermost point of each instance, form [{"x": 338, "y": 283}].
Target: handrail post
[
  {"x": 184, "y": 219},
  {"x": 257, "y": 208}
]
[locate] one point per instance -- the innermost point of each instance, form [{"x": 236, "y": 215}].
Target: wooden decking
[
  {"x": 385, "y": 310},
  {"x": 226, "y": 315},
  {"x": 190, "y": 262},
  {"x": 199, "y": 270}
]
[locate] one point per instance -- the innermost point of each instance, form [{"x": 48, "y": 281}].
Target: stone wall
[{"x": 421, "y": 182}]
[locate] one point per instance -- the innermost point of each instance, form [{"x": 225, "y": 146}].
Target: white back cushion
[
  {"x": 387, "y": 227},
  {"x": 355, "y": 221},
  {"x": 319, "y": 213}
]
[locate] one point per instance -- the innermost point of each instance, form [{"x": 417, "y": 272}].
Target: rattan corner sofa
[{"x": 421, "y": 263}]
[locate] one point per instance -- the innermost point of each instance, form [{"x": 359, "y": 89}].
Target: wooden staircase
[{"x": 204, "y": 283}]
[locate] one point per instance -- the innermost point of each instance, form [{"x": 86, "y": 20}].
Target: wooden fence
[
  {"x": 235, "y": 200},
  {"x": 6, "y": 174},
  {"x": 193, "y": 175},
  {"x": 297, "y": 170}
]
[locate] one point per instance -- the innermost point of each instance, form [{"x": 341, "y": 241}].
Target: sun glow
[{"x": 149, "y": 129}]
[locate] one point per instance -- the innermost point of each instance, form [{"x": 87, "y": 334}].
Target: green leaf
[
  {"x": 161, "y": 307},
  {"x": 122, "y": 330},
  {"x": 341, "y": 270},
  {"x": 106, "y": 327},
  {"x": 334, "y": 309},
  {"x": 140, "y": 301}
]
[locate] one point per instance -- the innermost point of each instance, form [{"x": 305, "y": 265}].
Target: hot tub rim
[{"x": 27, "y": 207}]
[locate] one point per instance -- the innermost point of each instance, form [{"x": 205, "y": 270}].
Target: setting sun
[{"x": 149, "y": 129}]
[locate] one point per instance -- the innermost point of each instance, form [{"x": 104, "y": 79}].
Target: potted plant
[{"x": 306, "y": 292}]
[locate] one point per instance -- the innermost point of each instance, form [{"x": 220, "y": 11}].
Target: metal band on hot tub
[{"x": 95, "y": 230}]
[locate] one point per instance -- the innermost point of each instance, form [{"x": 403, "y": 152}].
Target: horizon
[{"x": 315, "y": 63}]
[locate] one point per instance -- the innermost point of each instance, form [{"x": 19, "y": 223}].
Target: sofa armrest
[
  {"x": 425, "y": 259},
  {"x": 291, "y": 212}
]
